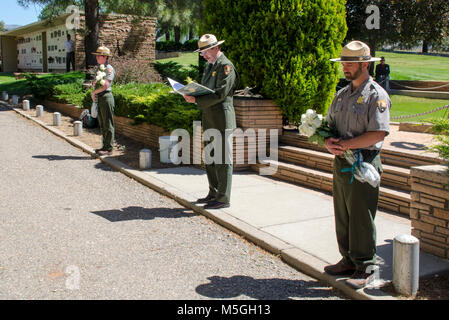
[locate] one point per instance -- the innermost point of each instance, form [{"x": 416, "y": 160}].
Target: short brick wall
[{"x": 429, "y": 211}]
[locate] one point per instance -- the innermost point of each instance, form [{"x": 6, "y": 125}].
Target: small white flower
[
  {"x": 102, "y": 67},
  {"x": 102, "y": 82},
  {"x": 98, "y": 77},
  {"x": 306, "y": 130}
]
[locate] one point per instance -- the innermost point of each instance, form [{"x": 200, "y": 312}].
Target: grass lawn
[
  {"x": 186, "y": 59},
  {"x": 404, "y": 105},
  {"x": 9, "y": 83},
  {"x": 414, "y": 67}
]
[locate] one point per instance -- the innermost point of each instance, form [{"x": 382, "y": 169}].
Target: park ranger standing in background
[
  {"x": 360, "y": 112},
  {"x": 217, "y": 113}
]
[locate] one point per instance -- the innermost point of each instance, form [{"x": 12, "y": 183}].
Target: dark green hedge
[
  {"x": 152, "y": 103},
  {"x": 282, "y": 47}
]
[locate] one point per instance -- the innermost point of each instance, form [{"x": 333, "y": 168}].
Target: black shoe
[
  {"x": 216, "y": 205},
  {"x": 209, "y": 198}
]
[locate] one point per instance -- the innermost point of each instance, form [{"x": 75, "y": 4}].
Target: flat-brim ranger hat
[
  {"x": 102, "y": 51},
  {"x": 207, "y": 42},
  {"x": 355, "y": 51}
]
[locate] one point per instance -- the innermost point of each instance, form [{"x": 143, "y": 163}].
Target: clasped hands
[
  {"x": 190, "y": 99},
  {"x": 336, "y": 146}
]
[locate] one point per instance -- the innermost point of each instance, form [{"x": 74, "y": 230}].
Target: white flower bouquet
[
  {"x": 99, "y": 78},
  {"x": 317, "y": 129}
]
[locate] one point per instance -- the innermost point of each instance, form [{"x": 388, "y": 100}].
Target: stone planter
[
  {"x": 416, "y": 127},
  {"x": 429, "y": 211},
  {"x": 257, "y": 114}
]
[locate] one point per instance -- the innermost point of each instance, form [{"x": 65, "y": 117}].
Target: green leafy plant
[
  {"x": 176, "y": 71},
  {"x": 282, "y": 47},
  {"x": 441, "y": 128}
]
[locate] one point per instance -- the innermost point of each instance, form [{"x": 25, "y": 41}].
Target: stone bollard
[
  {"x": 26, "y": 105},
  {"x": 145, "y": 159},
  {"x": 77, "y": 128},
  {"x": 39, "y": 111},
  {"x": 15, "y": 100},
  {"x": 56, "y": 119},
  {"x": 5, "y": 96},
  {"x": 406, "y": 264}
]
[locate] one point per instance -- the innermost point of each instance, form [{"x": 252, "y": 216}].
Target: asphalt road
[{"x": 72, "y": 228}]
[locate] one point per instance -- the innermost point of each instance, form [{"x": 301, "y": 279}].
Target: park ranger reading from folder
[
  {"x": 361, "y": 113},
  {"x": 217, "y": 113}
]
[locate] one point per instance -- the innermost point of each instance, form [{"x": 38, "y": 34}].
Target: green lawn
[
  {"x": 414, "y": 67},
  {"x": 186, "y": 59},
  {"x": 9, "y": 83},
  {"x": 404, "y": 105}
]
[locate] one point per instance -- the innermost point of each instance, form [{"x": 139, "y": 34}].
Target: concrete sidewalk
[
  {"x": 291, "y": 221},
  {"x": 295, "y": 222}
]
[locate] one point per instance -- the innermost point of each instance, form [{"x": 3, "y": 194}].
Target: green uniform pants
[
  {"x": 355, "y": 207},
  {"x": 219, "y": 176},
  {"x": 106, "y": 106}
]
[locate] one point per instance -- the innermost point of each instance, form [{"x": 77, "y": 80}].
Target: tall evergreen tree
[{"x": 282, "y": 47}]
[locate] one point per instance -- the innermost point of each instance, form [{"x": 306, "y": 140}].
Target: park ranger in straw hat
[
  {"x": 105, "y": 101},
  {"x": 217, "y": 113},
  {"x": 360, "y": 112}
]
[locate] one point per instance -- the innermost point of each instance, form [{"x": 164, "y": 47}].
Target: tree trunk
[
  {"x": 167, "y": 35},
  {"x": 425, "y": 47},
  {"x": 191, "y": 33},
  {"x": 93, "y": 25},
  {"x": 177, "y": 34},
  {"x": 372, "y": 43}
]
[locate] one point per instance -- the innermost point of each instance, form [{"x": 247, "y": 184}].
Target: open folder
[{"x": 192, "y": 89}]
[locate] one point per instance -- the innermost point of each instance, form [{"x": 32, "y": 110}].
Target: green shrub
[
  {"x": 69, "y": 93},
  {"x": 282, "y": 47},
  {"x": 168, "y": 46},
  {"x": 177, "y": 72},
  {"x": 152, "y": 103},
  {"x": 43, "y": 87},
  {"x": 441, "y": 128}
]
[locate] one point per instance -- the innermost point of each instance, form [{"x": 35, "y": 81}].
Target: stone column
[{"x": 429, "y": 211}]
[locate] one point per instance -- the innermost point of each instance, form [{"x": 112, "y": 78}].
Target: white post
[
  {"x": 39, "y": 111},
  {"x": 15, "y": 100},
  {"x": 406, "y": 264},
  {"x": 77, "y": 128},
  {"x": 5, "y": 96},
  {"x": 56, "y": 119},
  {"x": 145, "y": 159},
  {"x": 26, "y": 105}
]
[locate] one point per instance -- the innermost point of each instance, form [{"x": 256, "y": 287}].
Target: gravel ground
[{"x": 72, "y": 228}]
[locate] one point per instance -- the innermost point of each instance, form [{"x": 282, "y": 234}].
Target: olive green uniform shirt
[{"x": 218, "y": 109}]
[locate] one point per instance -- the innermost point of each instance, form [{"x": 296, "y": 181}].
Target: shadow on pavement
[
  {"x": 408, "y": 145},
  {"x": 53, "y": 157},
  {"x": 139, "y": 213},
  {"x": 263, "y": 289}
]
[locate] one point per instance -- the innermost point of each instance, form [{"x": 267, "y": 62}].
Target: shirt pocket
[{"x": 360, "y": 113}]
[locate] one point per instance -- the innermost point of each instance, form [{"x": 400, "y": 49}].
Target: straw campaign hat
[
  {"x": 207, "y": 41},
  {"x": 356, "y": 51},
  {"x": 102, "y": 51}
]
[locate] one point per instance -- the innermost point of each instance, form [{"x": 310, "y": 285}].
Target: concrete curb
[{"x": 295, "y": 257}]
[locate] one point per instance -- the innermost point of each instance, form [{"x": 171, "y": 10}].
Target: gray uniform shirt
[
  {"x": 110, "y": 75},
  {"x": 365, "y": 109}
]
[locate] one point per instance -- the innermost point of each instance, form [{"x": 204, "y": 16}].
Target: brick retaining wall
[{"x": 429, "y": 211}]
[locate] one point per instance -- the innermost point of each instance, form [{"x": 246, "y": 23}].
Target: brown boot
[
  {"x": 339, "y": 269},
  {"x": 359, "y": 279}
]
